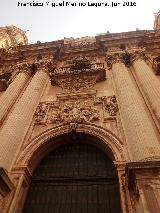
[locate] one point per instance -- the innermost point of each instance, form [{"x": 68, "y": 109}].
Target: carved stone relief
[
  {"x": 156, "y": 65},
  {"x": 110, "y": 106},
  {"x": 78, "y": 75},
  {"x": 79, "y": 82},
  {"x": 76, "y": 109},
  {"x": 41, "y": 113}
]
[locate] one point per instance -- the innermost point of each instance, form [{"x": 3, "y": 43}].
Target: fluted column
[
  {"x": 8, "y": 98},
  {"x": 141, "y": 138},
  {"x": 14, "y": 130},
  {"x": 148, "y": 82}
]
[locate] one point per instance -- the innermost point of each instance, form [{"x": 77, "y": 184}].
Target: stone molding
[{"x": 37, "y": 144}]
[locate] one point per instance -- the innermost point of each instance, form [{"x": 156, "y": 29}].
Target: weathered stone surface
[{"x": 97, "y": 87}]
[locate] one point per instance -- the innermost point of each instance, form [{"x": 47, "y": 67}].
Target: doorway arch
[
  {"x": 40, "y": 144},
  {"x": 75, "y": 177}
]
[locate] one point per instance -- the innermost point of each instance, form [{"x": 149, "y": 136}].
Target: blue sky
[{"x": 49, "y": 23}]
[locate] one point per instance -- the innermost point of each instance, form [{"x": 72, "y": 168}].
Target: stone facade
[{"x": 106, "y": 86}]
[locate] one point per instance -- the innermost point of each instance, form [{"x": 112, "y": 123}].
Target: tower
[{"x": 11, "y": 36}]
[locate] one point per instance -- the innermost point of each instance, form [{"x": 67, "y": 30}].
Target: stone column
[
  {"x": 141, "y": 138},
  {"x": 15, "y": 128},
  {"x": 148, "y": 82},
  {"x": 8, "y": 98}
]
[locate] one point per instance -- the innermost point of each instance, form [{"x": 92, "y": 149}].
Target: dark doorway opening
[{"x": 74, "y": 178}]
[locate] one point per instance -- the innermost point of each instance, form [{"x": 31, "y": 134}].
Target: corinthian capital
[
  {"x": 117, "y": 58},
  {"x": 134, "y": 56},
  {"x": 44, "y": 65},
  {"x": 22, "y": 67}
]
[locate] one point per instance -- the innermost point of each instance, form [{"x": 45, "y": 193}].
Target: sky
[{"x": 49, "y": 22}]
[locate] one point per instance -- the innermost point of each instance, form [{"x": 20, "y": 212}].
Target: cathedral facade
[{"x": 80, "y": 123}]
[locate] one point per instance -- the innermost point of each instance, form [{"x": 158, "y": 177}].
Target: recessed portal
[{"x": 74, "y": 178}]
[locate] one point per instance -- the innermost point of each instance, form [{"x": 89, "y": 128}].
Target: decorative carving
[
  {"x": 23, "y": 67},
  {"x": 111, "y": 106},
  {"x": 79, "y": 42},
  {"x": 41, "y": 113},
  {"x": 114, "y": 58},
  {"x": 133, "y": 56},
  {"x": 42, "y": 140},
  {"x": 80, "y": 63},
  {"x": 79, "y": 75},
  {"x": 45, "y": 65},
  {"x": 74, "y": 111},
  {"x": 156, "y": 65},
  {"x": 125, "y": 57},
  {"x": 79, "y": 82}
]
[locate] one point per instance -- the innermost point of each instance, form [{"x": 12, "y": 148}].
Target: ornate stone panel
[
  {"x": 80, "y": 74},
  {"x": 111, "y": 106},
  {"x": 74, "y": 108}
]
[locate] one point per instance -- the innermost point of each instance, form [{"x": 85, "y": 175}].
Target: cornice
[{"x": 105, "y": 43}]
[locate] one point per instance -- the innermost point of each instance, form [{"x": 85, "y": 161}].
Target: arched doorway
[{"x": 74, "y": 178}]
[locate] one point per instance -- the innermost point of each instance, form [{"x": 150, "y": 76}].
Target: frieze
[
  {"x": 79, "y": 42},
  {"x": 75, "y": 111},
  {"x": 67, "y": 111}
]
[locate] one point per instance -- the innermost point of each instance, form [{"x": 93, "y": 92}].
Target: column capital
[
  {"x": 113, "y": 58},
  {"x": 44, "y": 65},
  {"x": 24, "y": 67},
  {"x": 134, "y": 56}
]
